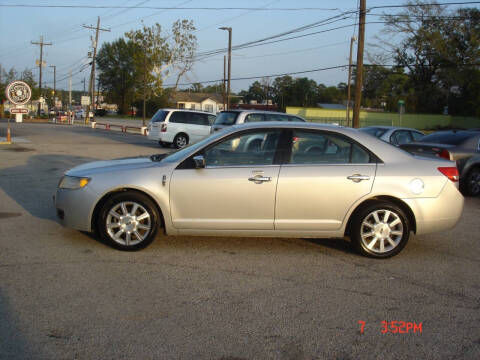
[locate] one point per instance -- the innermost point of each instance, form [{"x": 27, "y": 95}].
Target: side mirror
[{"x": 199, "y": 161}]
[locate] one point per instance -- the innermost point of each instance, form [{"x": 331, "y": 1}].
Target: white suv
[{"x": 179, "y": 127}]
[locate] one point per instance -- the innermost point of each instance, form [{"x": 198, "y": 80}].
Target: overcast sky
[{"x": 71, "y": 42}]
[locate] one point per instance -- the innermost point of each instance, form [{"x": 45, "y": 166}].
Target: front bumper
[{"x": 74, "y": 208}]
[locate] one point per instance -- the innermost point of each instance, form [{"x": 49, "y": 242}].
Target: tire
[
  {"x": 180, "y": 141},
  {"x": 383, "y": 238},
  {"x": 135, "y": 224},
  {"x": 470, "y": 186}
]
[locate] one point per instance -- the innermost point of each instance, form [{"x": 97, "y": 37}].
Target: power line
[{"x": 167, "y": 7}]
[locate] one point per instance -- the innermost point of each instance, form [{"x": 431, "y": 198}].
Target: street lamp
[{"x": 229, "y": 29}]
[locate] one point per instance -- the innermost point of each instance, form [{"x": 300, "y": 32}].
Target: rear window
[
  {"x": 374, "y": 131},
  {"x": 160, "y": 116},
  {"x": 226, "y": 118},
  {"x": 450, "y": 138}
]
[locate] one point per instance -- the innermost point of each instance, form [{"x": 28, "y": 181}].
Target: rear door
[{"x": 324, "y": 175}]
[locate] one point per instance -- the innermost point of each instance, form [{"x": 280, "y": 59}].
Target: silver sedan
[{"x": 267, "y": 179}]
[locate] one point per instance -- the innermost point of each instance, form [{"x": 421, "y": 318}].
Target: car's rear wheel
[
  {"x": 180, "y": 141},
  {"x": 128, "y": 221},
  {"x": 470, "y": 186},
  {"x": 380, "y": 230}
]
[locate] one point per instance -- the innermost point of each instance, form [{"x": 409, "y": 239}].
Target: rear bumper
[{"x": 440, "y": 213}]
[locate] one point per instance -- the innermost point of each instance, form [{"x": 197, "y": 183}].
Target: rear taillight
[
  {"x": 444, "y": 154},
  {"x": 450, "y": 172},
  {"x": 164, "y": 128}
]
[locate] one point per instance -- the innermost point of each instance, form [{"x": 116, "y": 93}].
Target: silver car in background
[
  {"x": 237, "y": 117},
  {"x": 394, "y": 135},
  {"x": 267, "y": 179}
]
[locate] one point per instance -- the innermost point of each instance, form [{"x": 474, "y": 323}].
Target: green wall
[{"x": 418, "y": 121}]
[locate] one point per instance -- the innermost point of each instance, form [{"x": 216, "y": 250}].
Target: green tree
[{"x": 117, "y": 74}]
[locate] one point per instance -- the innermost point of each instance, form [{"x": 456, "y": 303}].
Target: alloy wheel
[
  {"x": 128, "y": 223},
  {"x": 381, "y": 231}
]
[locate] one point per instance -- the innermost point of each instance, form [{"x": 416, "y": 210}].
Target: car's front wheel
[
  {"x": 128, "y": 221},
  {"x": 380, "y": 230}
]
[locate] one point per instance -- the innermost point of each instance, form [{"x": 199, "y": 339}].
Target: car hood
[{"x": 114, "y": 165}]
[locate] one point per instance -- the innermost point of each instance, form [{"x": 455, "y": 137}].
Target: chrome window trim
[
  {"x": 239, "y": 166},
  {"x": 332, "y": 164}
]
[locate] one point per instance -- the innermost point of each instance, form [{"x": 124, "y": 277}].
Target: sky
[{"x": 71, "y": 42}]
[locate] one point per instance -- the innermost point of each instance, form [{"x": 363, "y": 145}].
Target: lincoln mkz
[{"x": 276, "y": 179}]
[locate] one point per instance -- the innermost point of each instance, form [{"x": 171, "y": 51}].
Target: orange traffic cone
[{"x": 9, "y": 138}]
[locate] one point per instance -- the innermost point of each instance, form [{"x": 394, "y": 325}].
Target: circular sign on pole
[{"x": 18, "y": 92}]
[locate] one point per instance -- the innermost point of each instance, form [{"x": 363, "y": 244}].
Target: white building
[{"x": 212, "y": 103}]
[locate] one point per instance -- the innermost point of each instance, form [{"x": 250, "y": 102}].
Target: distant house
[{"x": 212, "y": 103}]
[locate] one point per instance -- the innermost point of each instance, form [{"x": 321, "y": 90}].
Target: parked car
[
  {"x": 100, "y": 112},
  {"x": 394, "y": 135},
  {"x": 304, "y": 180},
  {"x": 462, "y": 146},
  {"x": 80, "y": 114},
  {"x": 179, "y": 127},
  {"x": 235, "y": 117}
]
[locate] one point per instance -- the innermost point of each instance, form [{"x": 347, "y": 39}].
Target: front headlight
[{"x": 73, "y": 182}]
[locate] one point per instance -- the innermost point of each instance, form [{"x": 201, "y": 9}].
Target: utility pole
[
  {"x": 224, "y": 87},
  {"x": 229, "y": 29},
  {"x": 352, "y": 40},
  {"x": 70, "y": 98},
  {"x": 54, "y": 84},
  {"x": 359, "y": 78},
  {"x": 144, "y": 84},
  {"x": 41, "y": 43},
  {"x": 91, "y": 85}
]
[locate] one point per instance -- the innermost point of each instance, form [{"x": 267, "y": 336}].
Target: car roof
[
  {"x": 187, "y": 110},
  {"x": 259, "y": 112},
  {"x": 387, "y": 127}
]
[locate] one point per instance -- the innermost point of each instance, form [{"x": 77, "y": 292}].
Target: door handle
[
  {"x": 258, "y": 179},
  {"x": 357, "y": 177}
]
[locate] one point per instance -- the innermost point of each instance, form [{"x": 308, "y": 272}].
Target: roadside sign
[
  {"x": 18, "y": 111},
  {"x": 18, "y": 92},
  {"x": 85, "y": 100}
]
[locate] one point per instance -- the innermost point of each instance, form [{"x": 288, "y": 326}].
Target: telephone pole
[
  {"x": 41, "y": 43},
  {"x": 359, "y": 78},
  {"x": 224, "y": 88},
  {"x": 229, "y": 29},
  {"x": 352, "y": 40},
  {"x": 54, "y": 84},
  {"x": 91, "y": 84}
]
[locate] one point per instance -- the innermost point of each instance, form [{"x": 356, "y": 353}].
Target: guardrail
[{"x": 142, "y": 130}]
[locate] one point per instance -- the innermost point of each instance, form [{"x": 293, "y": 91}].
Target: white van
[{"x": 179, "y": 127}]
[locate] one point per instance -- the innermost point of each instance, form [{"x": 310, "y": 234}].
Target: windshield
[
  {"x": 374, "y": 131},
  {"x": 450, "y": 138},
  {"x": 181, "y": 153},
  {"x": 160, "y": 116},
  {"x": 226, "y": 118}
]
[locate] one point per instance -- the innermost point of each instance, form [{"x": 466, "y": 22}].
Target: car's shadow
[{"x": 33, "y": 184}]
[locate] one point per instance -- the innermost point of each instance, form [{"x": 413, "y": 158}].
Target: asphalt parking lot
[{"x": 65, "y": 295}]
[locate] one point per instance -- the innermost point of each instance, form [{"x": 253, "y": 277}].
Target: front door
[
  {"x": 236, "y": 189},
  {"x": 326, "y": 173}
]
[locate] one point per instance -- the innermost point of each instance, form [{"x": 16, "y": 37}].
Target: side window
[
  {"x": 178, "y": 117},
  {"x": 254, "y": 118},
  {"x": 276, "y": 117},
  {"x": 253, "y": 148},
  {"x": 325, "y": 148},
  {"x": 416, "y": 135},
  {"x": 294, "y": 118},
  {"x": 197, "y": 119},
  {"x": 211, "y": 119},
  {"x": 400, "y": 137}
]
